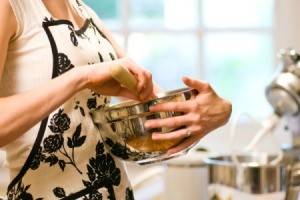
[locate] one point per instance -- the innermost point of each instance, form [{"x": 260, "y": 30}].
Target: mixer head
[{"x": 284, "y": 91}]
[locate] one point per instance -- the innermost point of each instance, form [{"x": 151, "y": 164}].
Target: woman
[{"x": 55, "y": 57}]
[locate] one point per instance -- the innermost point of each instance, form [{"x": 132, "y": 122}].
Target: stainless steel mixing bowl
[
  {"x": 132, "y": 109},
  {"x": 250, "y": 176},
  {"x": 121, "y": 127}
]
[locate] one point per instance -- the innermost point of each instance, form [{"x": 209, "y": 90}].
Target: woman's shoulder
[{"x": 8, "y": 22}]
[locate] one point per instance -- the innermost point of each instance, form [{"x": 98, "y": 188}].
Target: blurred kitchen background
[{"x": 233, "y": 44}]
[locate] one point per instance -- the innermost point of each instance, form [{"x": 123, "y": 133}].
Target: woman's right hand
[
  {"x": 18, "y": 119},
  {"x": 101, "y": 81}
]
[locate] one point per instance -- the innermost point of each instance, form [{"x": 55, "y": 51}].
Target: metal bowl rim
[
  {"x": 161, "y": 95},
  {"x": 216, "y": 161},
  {"x": 134, "y": 117}
]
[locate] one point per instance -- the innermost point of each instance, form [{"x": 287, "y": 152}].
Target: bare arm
[{"x": 16, "y": 119}]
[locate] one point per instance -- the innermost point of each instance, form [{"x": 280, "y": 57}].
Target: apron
[{"x": 66, "y": 157}]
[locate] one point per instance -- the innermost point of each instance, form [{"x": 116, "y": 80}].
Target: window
[{"x": 231, "y": 43}]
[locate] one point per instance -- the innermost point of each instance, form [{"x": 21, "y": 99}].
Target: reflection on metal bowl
[
  {"x": 122, "y": 128},
  {"x": 133, "y": 109},
  {"x": 249, "y": 176}
]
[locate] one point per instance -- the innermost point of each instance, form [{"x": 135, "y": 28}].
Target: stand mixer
[{"x": 283, "y": 94}]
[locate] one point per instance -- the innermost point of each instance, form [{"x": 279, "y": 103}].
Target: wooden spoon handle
[{"x": 125, "y": 77}]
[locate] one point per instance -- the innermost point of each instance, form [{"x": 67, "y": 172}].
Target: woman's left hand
[{"x": 203, "y": 114}]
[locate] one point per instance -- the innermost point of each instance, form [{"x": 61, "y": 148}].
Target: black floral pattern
[
  {"x": 20, "y": 192},
  {"x": 79, "y": 107},
  {"x": 64, "y": 64},
  {"x": 38, "y": 158},
  {"x": 129, "y": 194},
  {"x": 117, "y": 149},
  {"x": 125, "y": 153},
  {"x": 103, "y": 172},
  {"x": 95, "y": 195},
  {"x": 60, "y": 122},
  {"x": 53, "y": 143},
  {"x": 46, "y": 19},
  {"x": 112, "y": 56},
  {"x": 74, "y": 142},
  {"x": 100, "y": 57},
  {"x": 73, "y": 36},
  {"x": 59, "y": 192},
  {"x": 92, "y": 103},
  {"x": 54, "y": 146}
]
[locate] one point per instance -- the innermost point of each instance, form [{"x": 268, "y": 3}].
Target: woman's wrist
[{"x": 81, "y": 77}]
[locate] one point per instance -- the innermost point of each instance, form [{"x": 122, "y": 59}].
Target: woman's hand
[
  {"x": 203, "y": 114},
  {"x": 101, "y": 81}
]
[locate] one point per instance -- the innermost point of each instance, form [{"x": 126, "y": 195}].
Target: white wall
[{"x": 287, "y": 24}]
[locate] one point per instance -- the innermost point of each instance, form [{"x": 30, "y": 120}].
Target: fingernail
[
  {"x": 146, "y": 125},
  {"x": 154, "y": 136},
  {"x": 169, "y": 152}
]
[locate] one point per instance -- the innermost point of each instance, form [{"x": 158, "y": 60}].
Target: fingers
[
  {"x": 144, "y": 80},
  {"x": 174, "y": 135},
  {"x": 186, "y": 144},
  {"x": 147, "y": 89},
  {"x": 172, "y": 106},
  {"x": 177, "y": 121},
  {"x": 201, "y": 86},
  {"x": 124, "y": 92},
  {"x": 186, "y": 135}
]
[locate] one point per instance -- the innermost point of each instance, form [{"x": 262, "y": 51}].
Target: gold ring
[{"x": 188, "y": 133}]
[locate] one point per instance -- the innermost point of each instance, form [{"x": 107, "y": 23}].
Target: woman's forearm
[{"x": 22, "y": 111}]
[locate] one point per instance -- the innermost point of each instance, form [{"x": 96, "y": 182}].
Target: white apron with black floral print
[{"x": 65, "y": 157}]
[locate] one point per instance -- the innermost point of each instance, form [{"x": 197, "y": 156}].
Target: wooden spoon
[{"x": 125, "y": 77}]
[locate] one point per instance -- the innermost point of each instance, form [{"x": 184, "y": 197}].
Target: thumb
[{"x": 201, "y": 86}]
